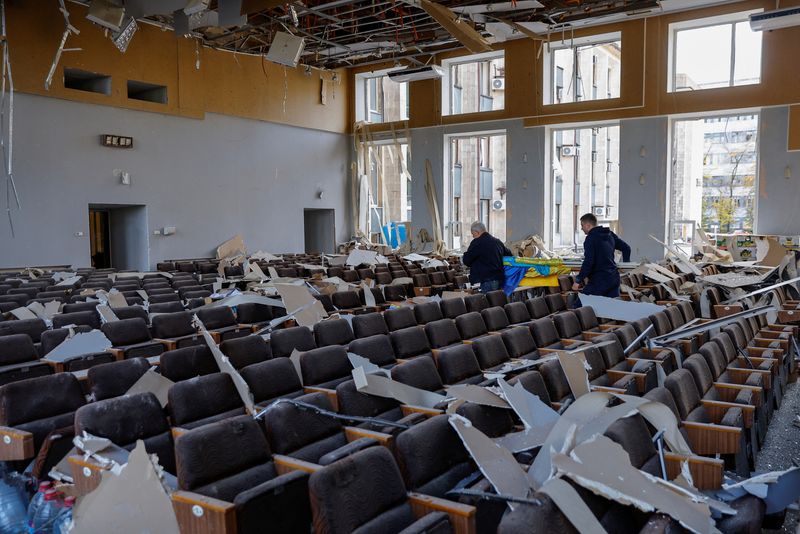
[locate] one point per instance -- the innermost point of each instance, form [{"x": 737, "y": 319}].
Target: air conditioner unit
[
  {"x": 570, "y": 151},
  {"x": 772, "y": 20},
  {"x": 498, "y": 205},
  {"x": 499, "y": 83},
  {"x": 599, "y": 210},
  {"x": 416, "y": 73}
]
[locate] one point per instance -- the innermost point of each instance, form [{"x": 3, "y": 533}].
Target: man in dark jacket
[
  {"x": 484, "y": 257},
  {"x": 599, "y": 266}
]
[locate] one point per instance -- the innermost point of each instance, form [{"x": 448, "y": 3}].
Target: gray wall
[
  {"x": 130, "y": 244},
  {"x": 210, "y": 178},
  {"x": 524, "y": 174},
  {"x": 778, "y": 197},
  {"x": 642, "y": 207}
]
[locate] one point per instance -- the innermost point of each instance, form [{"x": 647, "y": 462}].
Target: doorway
[
  {"x": 119, "y": 237},
  {"x": 99, "y": 235},
  {"x": 319, "y": 229}
]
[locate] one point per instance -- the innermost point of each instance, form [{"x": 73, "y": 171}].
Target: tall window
[
  {"x": 390, "y": 186},
  {"x": 475, "y": 83},
  {"x": 477, "y": 186},
  {"x": 584, "y": 69},
  {"x": 713, "y": 176},
  {"x": 714, "y": 52},
  {"x": 379, "y": 99},
  {"x": 585, "y": 179}
]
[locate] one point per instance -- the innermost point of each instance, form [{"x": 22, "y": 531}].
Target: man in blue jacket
[
  {"x": 484, "y": 257},
  {"x": 599, "y": 275}
]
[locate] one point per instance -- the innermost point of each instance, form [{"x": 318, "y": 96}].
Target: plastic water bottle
[
  {"x": 13, "y": 517},
  {"x": 37, "y": 500},
  {"x": 46, "y": 513},
  {"x": 64, "y": 518}
]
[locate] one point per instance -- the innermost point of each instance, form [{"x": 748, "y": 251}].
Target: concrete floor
[{"x": 782, "y": 446}]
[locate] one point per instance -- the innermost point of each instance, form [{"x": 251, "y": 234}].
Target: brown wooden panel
[{"x": 198, "y": 514}]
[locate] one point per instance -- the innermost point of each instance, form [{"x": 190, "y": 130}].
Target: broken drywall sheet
[
  {"x": 603, "y": 467},
  {"x": 778, "y": 489},
  {"x": 266, "y": 256},
  {"x": 382, "y": 386},
  {"x": 736, "y": 279},
  {"x": 365, "y": 257},
  {"x": 107, "y": 315},
  {"x": 232, "y": 247},
  {"x": 416, "y": 257},
  {"x": 531, "y": 410},
  {"x": 660, "y": 417},
  {"x": 710, "y": 325},
  {"x": 369, "y": 297},
  {"x": 80, "y": 344},
  {"x": 572, "y": 506},
  {"x": 476, "y": 395},
  {"x": 619, "y": 310},
  {"x": 225, "y": 366},
  {"x": 496, "y": 463},
  {"x": 152, "y": 382},
  {"x": 135, "y": 500},
  {"x": 359, "y": 361},
  {"x": 574, "y": 367},
  {"x": 244, "y": 298},
  {"x": 663, "y": 271},
  {"x": 300, "y": 303},
  {"x": 69, "y": 281},
  {"x": 769, "y": 251},
  {"x": 23, "y": 313},
  {"x": 454, "y": 295},
  {"x": 767, "y": 289},
  {"x": 295, "y": 359}
]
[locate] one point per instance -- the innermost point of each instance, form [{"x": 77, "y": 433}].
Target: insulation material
[
  {"x": 152, "y": 382},
  {"x": 225, "y": 366},
  {"x": 232, "y": 247},
  {"x": 382, "y": 386},
  {"x": 80, "y": 344},
  {"x": 497, "y": 464},
  {"x": 301, "y": 304},
  {"x": 619, "y": 310},
  {"x": 134, "y": 500},
  {"x": 604, "y": 468}
]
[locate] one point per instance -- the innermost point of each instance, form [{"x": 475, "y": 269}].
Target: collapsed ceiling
[{"x": 341, "y": 33}]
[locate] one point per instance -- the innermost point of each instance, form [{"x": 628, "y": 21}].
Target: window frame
[
  {"x": 362, "y": 97},
  {"x": 728, "y": 19},
  {"x": 449, "y": 80},
  {"x": 548, "y": 93}
]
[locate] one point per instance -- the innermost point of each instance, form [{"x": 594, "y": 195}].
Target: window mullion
[{"x": 733, "y": 54}]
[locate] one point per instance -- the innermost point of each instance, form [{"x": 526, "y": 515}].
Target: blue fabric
[
  {"x": 513, "y": 276},
  {"x": 490, "y": 285},
  {"x": 484, "y": 257}
]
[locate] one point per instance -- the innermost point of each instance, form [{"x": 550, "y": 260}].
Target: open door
[{"x": 119, "y": 237}]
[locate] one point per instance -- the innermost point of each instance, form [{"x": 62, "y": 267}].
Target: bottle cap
[
  {"x": 45, "y": 485},
  {"x": 50, "y": 495},
  {"x": 70, "y": 501}
]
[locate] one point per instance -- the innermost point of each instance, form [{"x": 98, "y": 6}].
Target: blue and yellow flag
[{"x": 531, "y": 272}]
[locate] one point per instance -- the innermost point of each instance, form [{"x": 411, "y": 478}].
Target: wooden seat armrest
[
  {"x": 216, "y": 336},
  {"x": 608, "y": 389},
  {"x": 707, "y": 473},
  {"x": 589, "y": 336},
  {"x": 462, "y": 516},
  {"x": 178, "y": 431},
  {"x": 409, "y": 409},
  {"x": 86, "y": 473},
  {"x": 758, "y": 360},
  {"x": 788, "y": 316},
  {"x": 608, "y": 327},
  {"x": 199, "y": 514},
  {"x": 667, "y": 302},
  {"x": 15, "y": 444},
  {"x": 766, "y": 343},
  {"x": 717, "y": 410},
  {"x": 641, "y": 378},
  {"x": 548, "y": 351},
  {"x": 738, "y": 373},
  {"x": 724, "y": 310},
  {"x": 728, "y": 390},
  {"x": 709, "y": 438},
  {"x": 169, "y": 344},
  {"x": 330, "y": 393},
  {"x": 119, "y": 354},
  {"x": 287, "y": 464},
  {"x": 353, "y": 433}
]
